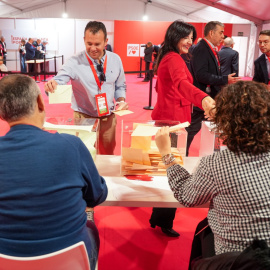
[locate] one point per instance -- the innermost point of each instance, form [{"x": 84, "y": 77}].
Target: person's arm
[
  {"x": 178, "y": 72},
  {"x": 235, "y": 63},
  {"x": 189, "y": 190},
  {"x": 256, "y": 76},
  {"x": 64, "y": 75},
  {"x": 120, "y": 88},
  {"x": 95, "y": 190}
]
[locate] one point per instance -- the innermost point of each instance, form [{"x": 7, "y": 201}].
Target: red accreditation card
[{"x": 102, "y": 105}]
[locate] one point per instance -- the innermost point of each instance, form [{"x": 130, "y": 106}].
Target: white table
[{"x": 136, "y": 193}]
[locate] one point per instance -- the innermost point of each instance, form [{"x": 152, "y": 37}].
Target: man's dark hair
[
  {"x": 265, "y": 32},
  {"x": 211, "y": 26},
  {"x": 95, "y": 26}
]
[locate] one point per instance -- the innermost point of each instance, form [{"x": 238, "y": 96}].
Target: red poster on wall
[{"x": 130, "y": 35}]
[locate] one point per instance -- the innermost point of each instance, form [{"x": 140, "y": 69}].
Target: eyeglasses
[
  {"x": 102, "y": 76},
  {"x": 263, "y": 42}
]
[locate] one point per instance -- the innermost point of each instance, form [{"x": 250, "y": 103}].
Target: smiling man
[
  {"x": 205, "y": 69},
  {"x": 262, "y": 64},
  {"x": 97, "y": 79}
]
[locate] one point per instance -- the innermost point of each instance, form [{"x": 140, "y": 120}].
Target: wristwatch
[{"x": 168, "y": 159}]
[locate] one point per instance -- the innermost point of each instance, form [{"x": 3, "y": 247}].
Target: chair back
[{"x": 74, "y": 257}]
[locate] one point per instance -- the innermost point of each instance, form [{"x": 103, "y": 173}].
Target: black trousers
[
  {"x": 147, "y": 67},
  {"x": 163, "y": 217},
  {"x": 197, "y": 117},
  {"x": 203, "y": 243}
]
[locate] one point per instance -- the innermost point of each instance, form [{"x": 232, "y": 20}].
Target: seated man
[{"x": 47, "y": 180}]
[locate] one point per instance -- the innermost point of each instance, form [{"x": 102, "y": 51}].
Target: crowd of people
[{"x": 235, "y": 181}]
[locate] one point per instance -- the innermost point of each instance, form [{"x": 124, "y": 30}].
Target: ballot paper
[
  {"x": 122, "y": 112},
  {"x": 146, "y": 130},
  {"x": 62, "y": 94},
  {"x": 50, "y": 126}
]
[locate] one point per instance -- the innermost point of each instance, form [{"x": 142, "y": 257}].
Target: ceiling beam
[
  {"x": 15, "y": 13},
  {"x": 4, "y": 2},
  {"x": 232, "y": 11},
  {"x": 161, "y": 6}
]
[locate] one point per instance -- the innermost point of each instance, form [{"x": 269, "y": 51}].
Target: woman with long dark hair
[{"x": 176, "y": 94}]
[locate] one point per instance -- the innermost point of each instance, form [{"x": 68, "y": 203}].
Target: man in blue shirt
[
  {"x": 94, "y": 74},
  {"x": 47, "y": 180}
]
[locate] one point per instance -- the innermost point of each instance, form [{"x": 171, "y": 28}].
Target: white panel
[
  {"x": 241, "y": 45},
  {"x": 6, "y": 24},
  {"x": 22, "y": 24}
]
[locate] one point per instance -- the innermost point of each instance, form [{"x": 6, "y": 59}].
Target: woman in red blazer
[{"x": 176, "y": 94}]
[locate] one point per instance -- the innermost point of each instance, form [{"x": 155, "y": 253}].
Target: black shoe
[
  {"x": 170, "y": 232},
  {"x": 145, "y": 80}
]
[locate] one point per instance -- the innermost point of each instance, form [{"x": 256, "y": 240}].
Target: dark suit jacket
[
  {"x": 30, "y": 51},
  {"x": 204, "y": 69},
  {"x": 148, "y": 54},
  {"x": 229, "y": 61},
  {"x": 260, "y": 70},
  {"x": 108, "y": 47}
]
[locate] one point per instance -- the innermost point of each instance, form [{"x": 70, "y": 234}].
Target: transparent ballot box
[
  {"x": 139, "y": 153},
  {"x": 84, "y": 128},
  {"x": 210, "y": 141}
]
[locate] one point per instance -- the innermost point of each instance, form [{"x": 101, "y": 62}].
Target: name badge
[{"x": 102, "y": 105}]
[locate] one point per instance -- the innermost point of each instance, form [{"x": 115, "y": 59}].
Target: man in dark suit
[
  {"x": 30, "y": 53},
  {"x": 205, "y": 69},
  {"x": 148, "y": 59},
  {"x": 229, "y": 58},
  {"x": 3, "y": 49},
  {"x": 262, "y": 64}
]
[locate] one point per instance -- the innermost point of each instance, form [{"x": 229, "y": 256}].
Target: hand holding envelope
[{"x": 61, "y": 95}]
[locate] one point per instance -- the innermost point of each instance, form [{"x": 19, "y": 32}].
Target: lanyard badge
[
  {"x": 102, "y": 104},
  {"x": 101, "y": 98}
]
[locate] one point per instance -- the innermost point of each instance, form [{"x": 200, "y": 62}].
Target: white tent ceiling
[{"x": 256, "y": 11}]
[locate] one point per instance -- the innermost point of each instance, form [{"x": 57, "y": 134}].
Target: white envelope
[{"x": 62, "y": 94}]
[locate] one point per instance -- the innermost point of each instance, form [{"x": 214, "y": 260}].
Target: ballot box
[
  {"x": 139, "y": 153},
  {"x": 210, "y": 141},
  {"x": 84, "y": 128}
]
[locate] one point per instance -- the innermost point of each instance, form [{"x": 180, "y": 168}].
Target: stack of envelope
[{"x": 143, "y": 157}]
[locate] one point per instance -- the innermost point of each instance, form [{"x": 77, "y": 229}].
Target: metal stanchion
[
  {"x": 149, "y": 107},
  {"x": 35, "y": 63},
  {"x": 140, "y": 75},
  {"x": 44, "y": 68}
]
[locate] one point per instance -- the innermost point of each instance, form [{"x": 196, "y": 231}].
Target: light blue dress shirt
[{"x": 77, "y": 70}]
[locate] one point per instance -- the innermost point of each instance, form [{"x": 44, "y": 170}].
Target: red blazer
[{"x": 175, "y": 90}]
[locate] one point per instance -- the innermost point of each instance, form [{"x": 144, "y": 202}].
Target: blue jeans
[
  {"x": 23, "y": 64},
  {"x": 94, "y": 238}
]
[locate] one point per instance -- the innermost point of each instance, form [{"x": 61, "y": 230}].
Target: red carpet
[{"x": 127, "y": 241}]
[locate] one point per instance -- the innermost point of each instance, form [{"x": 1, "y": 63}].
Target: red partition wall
[{"x": 140, "y": 32}]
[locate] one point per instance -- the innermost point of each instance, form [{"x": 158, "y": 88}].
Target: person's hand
[
  {"x": 50, "y": 86},
  {"x": 163, "y": 141},
  {"x": 121, "y": 105},
  {"x": 208, "y": 104},
  {"x": 232, "y": 79}
]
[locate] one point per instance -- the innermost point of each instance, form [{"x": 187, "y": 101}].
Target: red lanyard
[
  {"x": 99, "y": 84},
  {"x": 214, "y": 52}
]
